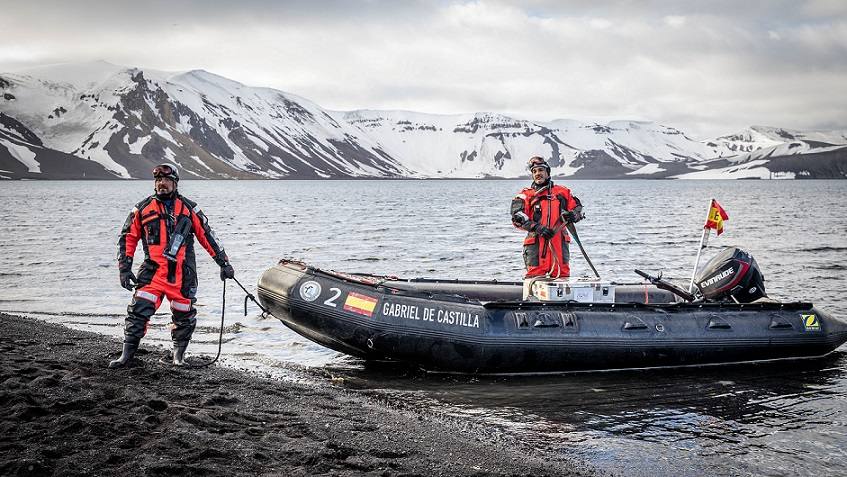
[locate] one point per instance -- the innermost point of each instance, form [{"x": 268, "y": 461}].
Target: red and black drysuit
[
  {"x": 543, "y": 205},
  {"x": 158, "y": 224}
]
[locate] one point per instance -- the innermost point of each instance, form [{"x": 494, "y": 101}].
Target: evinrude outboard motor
[{"x": 731, "y": 275}]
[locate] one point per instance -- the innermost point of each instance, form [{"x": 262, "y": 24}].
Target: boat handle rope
[{"x": 249, "y": 296}]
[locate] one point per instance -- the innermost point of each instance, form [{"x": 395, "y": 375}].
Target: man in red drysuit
[
  {"x": 166, "y": 224},
  {"x": 543, "y": 210}
]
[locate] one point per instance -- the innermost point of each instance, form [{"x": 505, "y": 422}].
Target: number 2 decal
[{"x": 336, "y": 292}]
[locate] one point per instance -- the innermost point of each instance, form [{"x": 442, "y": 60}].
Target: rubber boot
[
  {"x": 126, "y": 355},
  {"x": 179, "y": 353}
]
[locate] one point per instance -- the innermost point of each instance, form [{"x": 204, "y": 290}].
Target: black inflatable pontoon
[{"x": 486, "y": 327}]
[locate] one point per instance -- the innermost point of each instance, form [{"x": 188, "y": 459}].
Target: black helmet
[
  {"x": 166, "y": 170},
  {"x": 538, "y": 161}
]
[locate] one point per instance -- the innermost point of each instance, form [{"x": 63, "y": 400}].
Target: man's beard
[
  {"x": 165, "y": 195},
  {"x": 541, "y": 185}
]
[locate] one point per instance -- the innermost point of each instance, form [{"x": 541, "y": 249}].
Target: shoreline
[{"x": 66, "y": 413}]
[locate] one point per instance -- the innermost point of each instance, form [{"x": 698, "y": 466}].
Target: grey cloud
[{"x": 705, "y": 67}]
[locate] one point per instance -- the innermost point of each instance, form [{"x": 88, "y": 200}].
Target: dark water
[
  {"x": 774, "y": 419},
  {"x": 57, "y": 243}
]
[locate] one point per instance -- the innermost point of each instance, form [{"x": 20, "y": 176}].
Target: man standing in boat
[
  {"x": 166, "y": 224},
  {"x": 543, "y": 210}
]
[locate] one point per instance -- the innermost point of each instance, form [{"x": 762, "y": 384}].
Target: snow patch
[
  {"x": 199, "y": 161},
  {"x": 135, "y": 148},
  {"x": 748, "y": 170},
  {"x": 164, "y": 134},
  {"x": 651, "y": 168},
  {"x": 24, "y": 155}
]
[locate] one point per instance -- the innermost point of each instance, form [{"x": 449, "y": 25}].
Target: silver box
[{"x": 578, "y": 290}]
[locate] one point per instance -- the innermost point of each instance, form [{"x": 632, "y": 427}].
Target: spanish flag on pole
[
  {"x": 715, "y": 221},
  {"x": 716, "y": 217}
]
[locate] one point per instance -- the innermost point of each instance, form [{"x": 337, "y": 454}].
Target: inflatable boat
[{"x": 492, "y": 327}]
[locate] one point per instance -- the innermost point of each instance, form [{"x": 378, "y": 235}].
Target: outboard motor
[{"x": 731, "y": 275}]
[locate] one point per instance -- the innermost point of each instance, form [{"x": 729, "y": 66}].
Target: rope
[
  {"x": 223, "y": 313},
  {"x": 220, "y": 336},
  {"x": 251, "y": 297},
  {"x": 557, "y": 265}
]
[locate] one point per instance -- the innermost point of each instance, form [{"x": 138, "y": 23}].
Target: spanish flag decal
[{"x": 361, "y": 304}]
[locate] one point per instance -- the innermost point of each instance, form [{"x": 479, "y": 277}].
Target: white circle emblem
[{"x": 310, "y": 291}]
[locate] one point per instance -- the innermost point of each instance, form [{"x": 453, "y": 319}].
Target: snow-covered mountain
[
  {"x": 762, "y": 137},
  {"x": 762, "y": 152},
  {"x": 127, "y": 120},
  {"x": 98, "y": 120},
  {"x": 490, "y": 144}
]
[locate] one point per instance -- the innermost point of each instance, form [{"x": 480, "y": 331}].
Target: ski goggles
[
  {"x": 536, "y": 162},
  {"x": 164, "y": 171}
]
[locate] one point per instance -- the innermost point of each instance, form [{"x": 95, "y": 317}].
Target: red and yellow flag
[
  {"x": 361, "y": 304},
  {"x": 716, "y": 217}
]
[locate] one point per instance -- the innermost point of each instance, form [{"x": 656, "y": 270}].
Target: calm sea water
[{"x": 57, "y": 242}]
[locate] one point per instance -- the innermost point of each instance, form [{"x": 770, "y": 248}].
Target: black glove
[
  {"x": 545, "y": 231},
  {"x": 128, "y": 279},
  {"x": 227, "y": 271},
  {"x": 573, "y": 216},
  {"x": 520, "y": 218}
]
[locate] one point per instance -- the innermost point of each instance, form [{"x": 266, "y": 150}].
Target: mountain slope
[
  {"x": 763, "y": 137},
  {"x": 796, "y": 160},
  {"x": 762, "y": 152},
  {"x": 128, "y": 120},
  {"x": 490, "y": 144},
  {"x": 23, "y": 156}
]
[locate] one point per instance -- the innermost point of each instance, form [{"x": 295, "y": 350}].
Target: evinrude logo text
[{"x": 720, "y": 276}]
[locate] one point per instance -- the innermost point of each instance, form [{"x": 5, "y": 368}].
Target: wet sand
[{"x": 65, "y": 413}]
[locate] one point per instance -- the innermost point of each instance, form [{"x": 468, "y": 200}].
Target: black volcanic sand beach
[{"x": 64, "y": 413}]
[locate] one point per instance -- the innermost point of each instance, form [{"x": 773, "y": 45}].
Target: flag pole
[{"x": 700, "y": 248}]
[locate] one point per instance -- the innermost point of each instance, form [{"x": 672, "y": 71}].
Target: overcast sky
[{"x": 707, "y": 68}]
